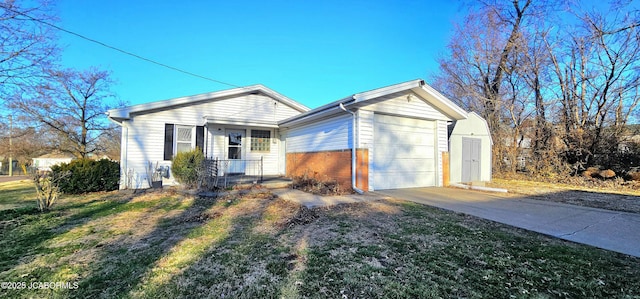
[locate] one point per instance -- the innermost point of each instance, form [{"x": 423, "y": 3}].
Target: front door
[
  {"x": 471, "y": 153},
  {"x": 235, "y": 151}
]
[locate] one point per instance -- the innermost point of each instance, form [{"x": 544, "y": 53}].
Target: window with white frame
[
  {"x": 185, "y": 139},
  {"x": 260, "y": 140}
]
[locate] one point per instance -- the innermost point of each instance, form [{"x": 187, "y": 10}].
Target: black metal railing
[{"x": 224, "y": 173}]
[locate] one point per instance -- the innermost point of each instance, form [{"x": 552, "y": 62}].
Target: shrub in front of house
[
  {"x": 188, "y": 167},
  {"x": 87, "y": 175}
]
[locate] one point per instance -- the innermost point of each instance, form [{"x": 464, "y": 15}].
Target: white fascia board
[
  {"x": 236, "y": 122},
  {"x": 306, "y": 118},
  {"x": 315, "y": 113},
  {"x": 289, "y": 102},
  {"x": 330, "y": 108},
  {"x": 380, "y": 92},
  {"x": 125, "y": 113},
  {"x": 441, "y": 102}
]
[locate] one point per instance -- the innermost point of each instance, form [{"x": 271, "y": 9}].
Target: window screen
[{"x": 184, "y": 139}]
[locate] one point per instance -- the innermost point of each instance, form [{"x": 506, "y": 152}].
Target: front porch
[{"x": 224, "y": 173}]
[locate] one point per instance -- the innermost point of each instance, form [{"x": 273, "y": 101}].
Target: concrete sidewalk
[
  {"x": 611, "y": 230},
  {"x": 6, "y": 178}
]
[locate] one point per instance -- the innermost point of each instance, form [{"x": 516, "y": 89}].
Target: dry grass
[
  {"x": 603, "y": 197},
  {"x": 249, "y": 244},
  {"x": 318, "y": 186}
]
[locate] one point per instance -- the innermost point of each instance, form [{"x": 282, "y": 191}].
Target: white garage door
[{"x": 403, "y": 153}]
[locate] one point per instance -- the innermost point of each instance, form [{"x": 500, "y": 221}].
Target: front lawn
[
  {"x": 17, "y": 194},
  {"x": 252, "y": 245}
]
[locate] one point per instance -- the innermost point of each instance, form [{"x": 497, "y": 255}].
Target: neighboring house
[
  {"x": 399, "y": 131},
  {"x": 470, "y": 150},
  {"x": 44, "y": 162}
]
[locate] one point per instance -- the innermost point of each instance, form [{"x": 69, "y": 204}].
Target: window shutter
[
  {"x": 168, "y": 141},
  {"x": 200, "y": 137}
]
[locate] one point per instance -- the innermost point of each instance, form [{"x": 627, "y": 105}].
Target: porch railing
[{"x": 223, "y": 173}]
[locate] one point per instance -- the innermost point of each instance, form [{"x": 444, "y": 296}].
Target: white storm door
[{"x": 235, "y": 151}]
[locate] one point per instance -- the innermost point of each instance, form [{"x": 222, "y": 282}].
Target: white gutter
[{"x": 353, "y": 150}]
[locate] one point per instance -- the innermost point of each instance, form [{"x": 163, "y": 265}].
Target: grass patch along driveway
[
  {"x": 602, "y": 197},
  {"x": 168, "y": 245}
]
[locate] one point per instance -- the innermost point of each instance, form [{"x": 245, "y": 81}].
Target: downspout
[{"x": 353, "y": 150}]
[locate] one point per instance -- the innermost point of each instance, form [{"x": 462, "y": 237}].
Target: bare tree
[
  {"x": 109, "y": 143},
  {"x": 595, "y": 67},
  {"x": 72, "y": 105},
  {"x": 26, "y": 45},
  {"x": 481, "y": 72},
  {"x": 557, "y": 86},
  {"x": 27, "y": 142}
]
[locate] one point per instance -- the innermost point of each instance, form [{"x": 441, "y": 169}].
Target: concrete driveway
[{"x": 611, "y": 230}]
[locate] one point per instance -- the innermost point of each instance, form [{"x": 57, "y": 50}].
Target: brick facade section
[
  {"x": 446, "y": 174},
  {"x": 330, "y": 165},
  {"x": 362, "y": 169}
]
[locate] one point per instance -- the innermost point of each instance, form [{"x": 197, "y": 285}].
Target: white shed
[{"x": 470, "y": 147}]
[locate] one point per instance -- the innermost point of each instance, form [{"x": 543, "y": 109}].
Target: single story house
[
  {"x": 400, "y": 133},
  {"x": 44, "y": 162}
]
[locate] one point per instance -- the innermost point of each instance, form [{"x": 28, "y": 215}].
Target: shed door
[
  {"x": 404, "y": 153},
  {"x": 471, "y": 149}
]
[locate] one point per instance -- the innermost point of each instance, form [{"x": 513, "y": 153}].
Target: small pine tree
[{"x": 188, "y": 167}]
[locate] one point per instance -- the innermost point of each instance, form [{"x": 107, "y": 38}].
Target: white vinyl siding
[
  {"x": 254, "y": 108},
  {"x": 324, "y": 135},
  {"x": 270, "y": 159},
  {"x": 412, "y": 106},
  {"x": 365, "y": 128}
]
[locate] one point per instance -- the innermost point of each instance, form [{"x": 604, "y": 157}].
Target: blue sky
[{"x": 311, "y": 51}]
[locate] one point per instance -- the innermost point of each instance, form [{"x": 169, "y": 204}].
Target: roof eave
[
  {"x": 316, "y": 113},
  {"x": 418, "y": 86},
  {"x": 443, "y": 103},
  {"x": 125, "y": 113},
  {"x": 380, "y": 92}
]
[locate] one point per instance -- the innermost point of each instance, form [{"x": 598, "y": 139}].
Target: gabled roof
[
  {"x": 417, "y": 86},
  {"x": 125, "y": 113},
  {"x": 471, "y": 116}
]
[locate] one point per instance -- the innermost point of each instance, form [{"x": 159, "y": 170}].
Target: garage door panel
[
  {"x": 395, "y": 180},
  {"x": 406, "y": 165},
  {"x": 404, "y": 153},
  {"x": 399, "y": 128},
  {"x": 397, "y": 138},
  {"x": 404, "y": 122},
  {"x": 389, "y": 155},
  {"x": 402, "y": 128}
]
